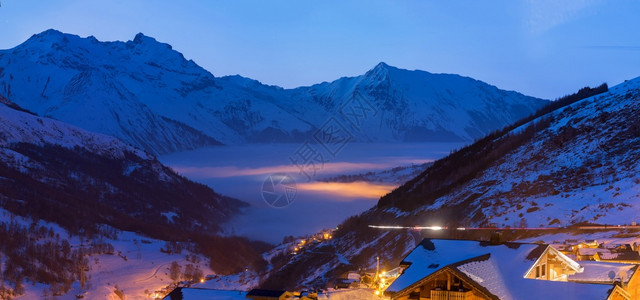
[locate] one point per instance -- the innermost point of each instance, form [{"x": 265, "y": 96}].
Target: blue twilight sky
[{"x": 543, "y": 48}]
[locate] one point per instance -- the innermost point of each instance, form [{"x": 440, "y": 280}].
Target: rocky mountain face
[
  {"x": 148, "y": 95},
  {"x": 575, "y": 163}
]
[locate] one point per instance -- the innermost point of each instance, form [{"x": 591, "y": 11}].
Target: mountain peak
[
  {"x": 50, "y": 40},
  {"x": 141, "y": 39},
  {"x": 380, "y": 72},
  {"x": 382, "y": 65},
  {"x": 46, "y": 36},
  {"x": 50, "y": 32}
]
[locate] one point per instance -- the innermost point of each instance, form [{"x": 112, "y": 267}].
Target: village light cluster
[{"x": 319, "y": 237}]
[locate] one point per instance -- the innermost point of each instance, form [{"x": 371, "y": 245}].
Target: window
[
  {"x": 541, "y": 270},
  {"x": 457, "y": 283}
]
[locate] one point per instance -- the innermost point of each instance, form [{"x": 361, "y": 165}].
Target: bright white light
[
  {"x": 386, "y": 227},
  {"x": 405, "y": 227}
]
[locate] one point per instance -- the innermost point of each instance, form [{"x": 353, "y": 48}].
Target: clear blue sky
[{"x": 543, "y": 48}]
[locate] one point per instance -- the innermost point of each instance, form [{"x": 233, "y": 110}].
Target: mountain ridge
[{"x": 130, "y": 89}]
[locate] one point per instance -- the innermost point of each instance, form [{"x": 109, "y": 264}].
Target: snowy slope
[
  {"x": 62, "y": 187},
  {"x": 20, "y": 127},
  {"x": 133, "y": 264},
  {"x": 580, "y": 166},
  {"x": 148, "y": 95},
  {"x": 574, "y": 164},
  {"x": 47, "y": 164}
]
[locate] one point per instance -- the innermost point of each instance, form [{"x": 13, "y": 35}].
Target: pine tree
[{"x": 174, "y": 271}]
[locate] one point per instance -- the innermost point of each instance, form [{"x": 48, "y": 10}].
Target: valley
[
  {"x": 240, "y": 171},
  {"x": 427, "y": 165}
]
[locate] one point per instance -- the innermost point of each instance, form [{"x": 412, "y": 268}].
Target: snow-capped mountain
[
  {"x": 389, "y": 104},
  {"x": 148, "y": 95},
  {"x": 576, "y": 163}
]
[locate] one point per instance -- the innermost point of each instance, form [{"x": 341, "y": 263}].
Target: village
[
  {"x": 302, "y": 243},
  {"x": 441, "y": 268}
]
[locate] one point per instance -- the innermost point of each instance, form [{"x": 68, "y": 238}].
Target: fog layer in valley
[{"x": 240, "y": 172}]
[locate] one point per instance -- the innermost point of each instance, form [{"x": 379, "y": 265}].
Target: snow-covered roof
[
  {"x": 560, "y": 246},
  {"x": 197, "y": 294},
  {"x": 620, "y": 256},
  {"x": 576, "y": 267},
  {"x": 487, "y": 274},
  {"x": 349, "y": 294},
  {"x": 432, "y": 255},
  {"x": 607, "y": 255},
  {"x": 592, "y": 251},
  {"x": 612, "y": 245},
  {"x": 596, "y": 271},
  {"x": 500, "y": 269}
]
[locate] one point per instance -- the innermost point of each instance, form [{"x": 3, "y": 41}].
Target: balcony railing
[{"x": 451, "y": 295}]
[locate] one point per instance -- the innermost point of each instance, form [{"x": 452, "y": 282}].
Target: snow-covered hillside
[
  {"x": 89, "y": 187},
  {"x": 56, "y": 164},
  {"x": 578, "y": 163},
  {"x": 125, "y": 262},
  {"x": 148, "y": 95},
  {"x": 575, "y": 164},
  {"x": 18, "y": 126}
]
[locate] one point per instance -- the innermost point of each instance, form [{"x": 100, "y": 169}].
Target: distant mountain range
[
  {"x": 571, "y": 163},
  {"x": 149, "y": 96}
]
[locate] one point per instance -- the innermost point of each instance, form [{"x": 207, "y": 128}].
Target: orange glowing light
[{"x": 356, "y": 189}]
